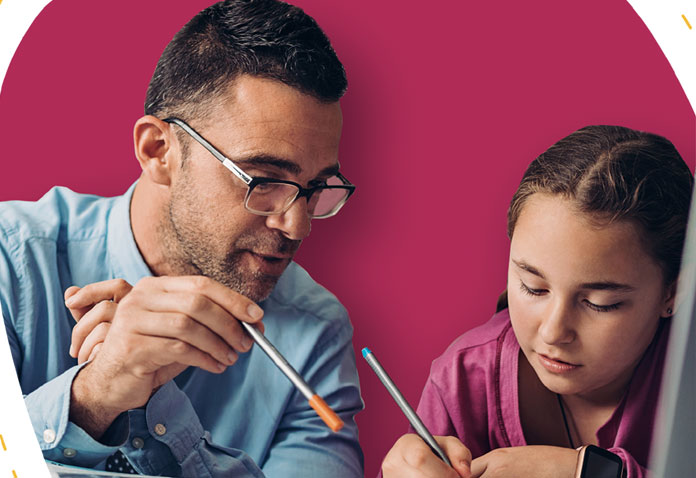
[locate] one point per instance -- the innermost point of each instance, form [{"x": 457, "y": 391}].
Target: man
[{"x": 239, "y": 150}]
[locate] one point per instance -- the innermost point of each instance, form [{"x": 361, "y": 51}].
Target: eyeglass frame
[{"x": 253, "y": 181}]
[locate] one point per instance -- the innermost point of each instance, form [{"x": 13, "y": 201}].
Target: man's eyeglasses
[{"x": 268, "y": 196}]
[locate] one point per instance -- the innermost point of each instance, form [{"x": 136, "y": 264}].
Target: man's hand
[
  {"x": 149, "y": 334},
  {"x": 411, "y": 457},
  {"x": 93, "y": 308},
  {"x": 536, "y": 461}
]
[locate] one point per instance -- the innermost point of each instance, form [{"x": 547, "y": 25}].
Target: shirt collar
[{"x": 124, "y": 255}]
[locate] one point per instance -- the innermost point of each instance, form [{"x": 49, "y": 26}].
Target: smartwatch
[{"x": 595, "y": 462}]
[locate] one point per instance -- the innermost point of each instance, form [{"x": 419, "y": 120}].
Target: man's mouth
[
  {"x": 272, "y": 264},
  {"x": 272, "y": 257}
]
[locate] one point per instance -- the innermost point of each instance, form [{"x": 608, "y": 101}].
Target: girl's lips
[{"x": 555, "y": 365}]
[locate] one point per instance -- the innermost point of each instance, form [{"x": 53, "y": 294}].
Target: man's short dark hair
[{"x": 262, "y": 38}]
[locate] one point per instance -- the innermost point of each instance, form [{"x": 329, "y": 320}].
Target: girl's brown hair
[{"x": 614, "y": 173}]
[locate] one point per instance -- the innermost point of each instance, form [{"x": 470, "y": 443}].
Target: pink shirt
[{"x": 472, "y": 394}]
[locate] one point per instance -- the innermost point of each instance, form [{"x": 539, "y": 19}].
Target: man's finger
[
  {"x": 102, "y": 312},
  {"x": 93, "y": 340},
  {"x": 95, "y": 351},
  {"x": 182, "y": 328},
  {"x": 76, "y": 313},
  {"x": 233, "y": 302},
  {"x": 165, "y": 352},
  {"x": 70, "y": 291},
  {"x": 91, "y": 294},
  {"x": 199, "y": 307}
]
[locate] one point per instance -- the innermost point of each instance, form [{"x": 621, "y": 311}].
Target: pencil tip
[{"x": 366, "y": 351}]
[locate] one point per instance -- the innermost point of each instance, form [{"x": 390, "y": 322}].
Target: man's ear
[
  {"x": 669, "y": 304},
  {"x": 155, "y": 149}
]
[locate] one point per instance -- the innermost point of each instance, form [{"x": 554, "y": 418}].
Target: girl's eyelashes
[
  {"x": 602, "y": 308},
  {"x": 596, "y": 307},
  {"x": 530, "y": 291}
]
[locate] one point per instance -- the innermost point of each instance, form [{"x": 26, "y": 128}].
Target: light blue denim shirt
[{"x": 247, "y": 419}]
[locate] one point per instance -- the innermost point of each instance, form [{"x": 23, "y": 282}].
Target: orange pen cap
[{"x": 326, "y": 413}]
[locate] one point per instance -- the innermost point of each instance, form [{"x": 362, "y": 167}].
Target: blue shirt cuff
[{"x": 60, "y": 439}]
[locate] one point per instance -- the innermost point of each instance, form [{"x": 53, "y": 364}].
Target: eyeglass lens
[{"x": 270, "y": 198}]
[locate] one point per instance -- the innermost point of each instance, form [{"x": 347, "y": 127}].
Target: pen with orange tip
[{"x": 325, "y": 412}]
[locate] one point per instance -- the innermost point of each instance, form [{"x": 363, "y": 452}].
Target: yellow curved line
[
  {"x": 2, "y": 440},
  {"x": 683, "y": 16}
]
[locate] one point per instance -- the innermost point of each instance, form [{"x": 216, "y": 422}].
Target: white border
[
  {"x": 662, "y": 17},
  {"x": 665, "y": 20},
  {"x": 16, "y": 16}
]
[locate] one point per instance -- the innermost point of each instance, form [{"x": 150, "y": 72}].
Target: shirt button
[
  {"x": 160, "y": 429},
  {"x": 69, "y": 452},
  {"x": 49, "y": 435},
  {"x": 138, "y": 443}
]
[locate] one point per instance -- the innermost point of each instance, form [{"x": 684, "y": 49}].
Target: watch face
[{"x": 600, "y": 463}]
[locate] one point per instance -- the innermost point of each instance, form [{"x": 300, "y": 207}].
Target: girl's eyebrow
[
  {"x": 526, "y": 267},
  {"x": 608, "y": 285},
  {"x": 599, "y": 285}
]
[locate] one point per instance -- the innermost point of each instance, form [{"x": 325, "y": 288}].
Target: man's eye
[{"x": 317, "y": 183}]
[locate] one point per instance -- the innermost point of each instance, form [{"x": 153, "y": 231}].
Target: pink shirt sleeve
[{"x": 631, "y": 467}]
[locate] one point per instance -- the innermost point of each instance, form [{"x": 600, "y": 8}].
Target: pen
[
  {"x": 324, "y": 411},
  {"x": 413, "y": 418}
]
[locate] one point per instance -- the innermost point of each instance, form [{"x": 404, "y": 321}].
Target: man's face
[{"x": 270, "y": 130}]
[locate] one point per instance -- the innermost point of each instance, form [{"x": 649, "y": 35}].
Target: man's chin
[
  {"x": 256, "y": 287},
  {"x": 260, "y": 291}
]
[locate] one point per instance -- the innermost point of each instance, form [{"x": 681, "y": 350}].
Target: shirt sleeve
[
  {"x": 303, "y": 446},
  {"x": 166, "y": 438},
  {"x": 631, "y": 467},
  {"x": 59, "y": 439},
  {"x": 433, "y": 412}
]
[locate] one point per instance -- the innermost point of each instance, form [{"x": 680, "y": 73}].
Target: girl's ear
[{"x": 668, "y": 304}]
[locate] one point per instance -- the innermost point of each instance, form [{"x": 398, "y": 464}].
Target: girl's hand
[
  {"x": 411, "y": 457},
  {"x": 536, "y": 461}
]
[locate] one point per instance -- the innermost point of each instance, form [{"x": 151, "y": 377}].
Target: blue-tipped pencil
[{"x": 413, "y": 418}]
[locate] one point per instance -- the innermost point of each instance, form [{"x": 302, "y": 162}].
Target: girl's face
[{"x": 585, "y": 301}]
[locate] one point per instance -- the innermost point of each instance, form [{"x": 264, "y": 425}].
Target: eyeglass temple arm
[{"x": 204, "y": 142}]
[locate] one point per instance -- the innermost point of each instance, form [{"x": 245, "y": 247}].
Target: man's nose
[
  {"x": 557, "y": 324},
  {"x": 295, "y": 223}
]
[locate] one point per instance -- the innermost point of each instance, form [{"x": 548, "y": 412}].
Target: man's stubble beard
[{"x": 189, "y": 252}]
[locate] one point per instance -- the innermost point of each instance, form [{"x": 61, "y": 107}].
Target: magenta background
[{"x": 447, "y": 105}]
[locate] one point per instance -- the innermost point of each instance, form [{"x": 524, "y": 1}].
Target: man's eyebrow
[
  {"x": 600, "y": 285},
  {"x": 282, "y": 164},
  {"x": 329, "y": 171},
  {"x": 267, "y": 160}
]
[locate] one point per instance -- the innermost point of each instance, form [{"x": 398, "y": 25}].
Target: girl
[{"x": 575, "y": 354}]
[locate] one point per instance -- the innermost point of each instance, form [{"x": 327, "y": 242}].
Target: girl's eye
[
  {"x": 532, "y": 292},
  {"x": 595, "y": 307},
  {"x": 602, "y": 308}
]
